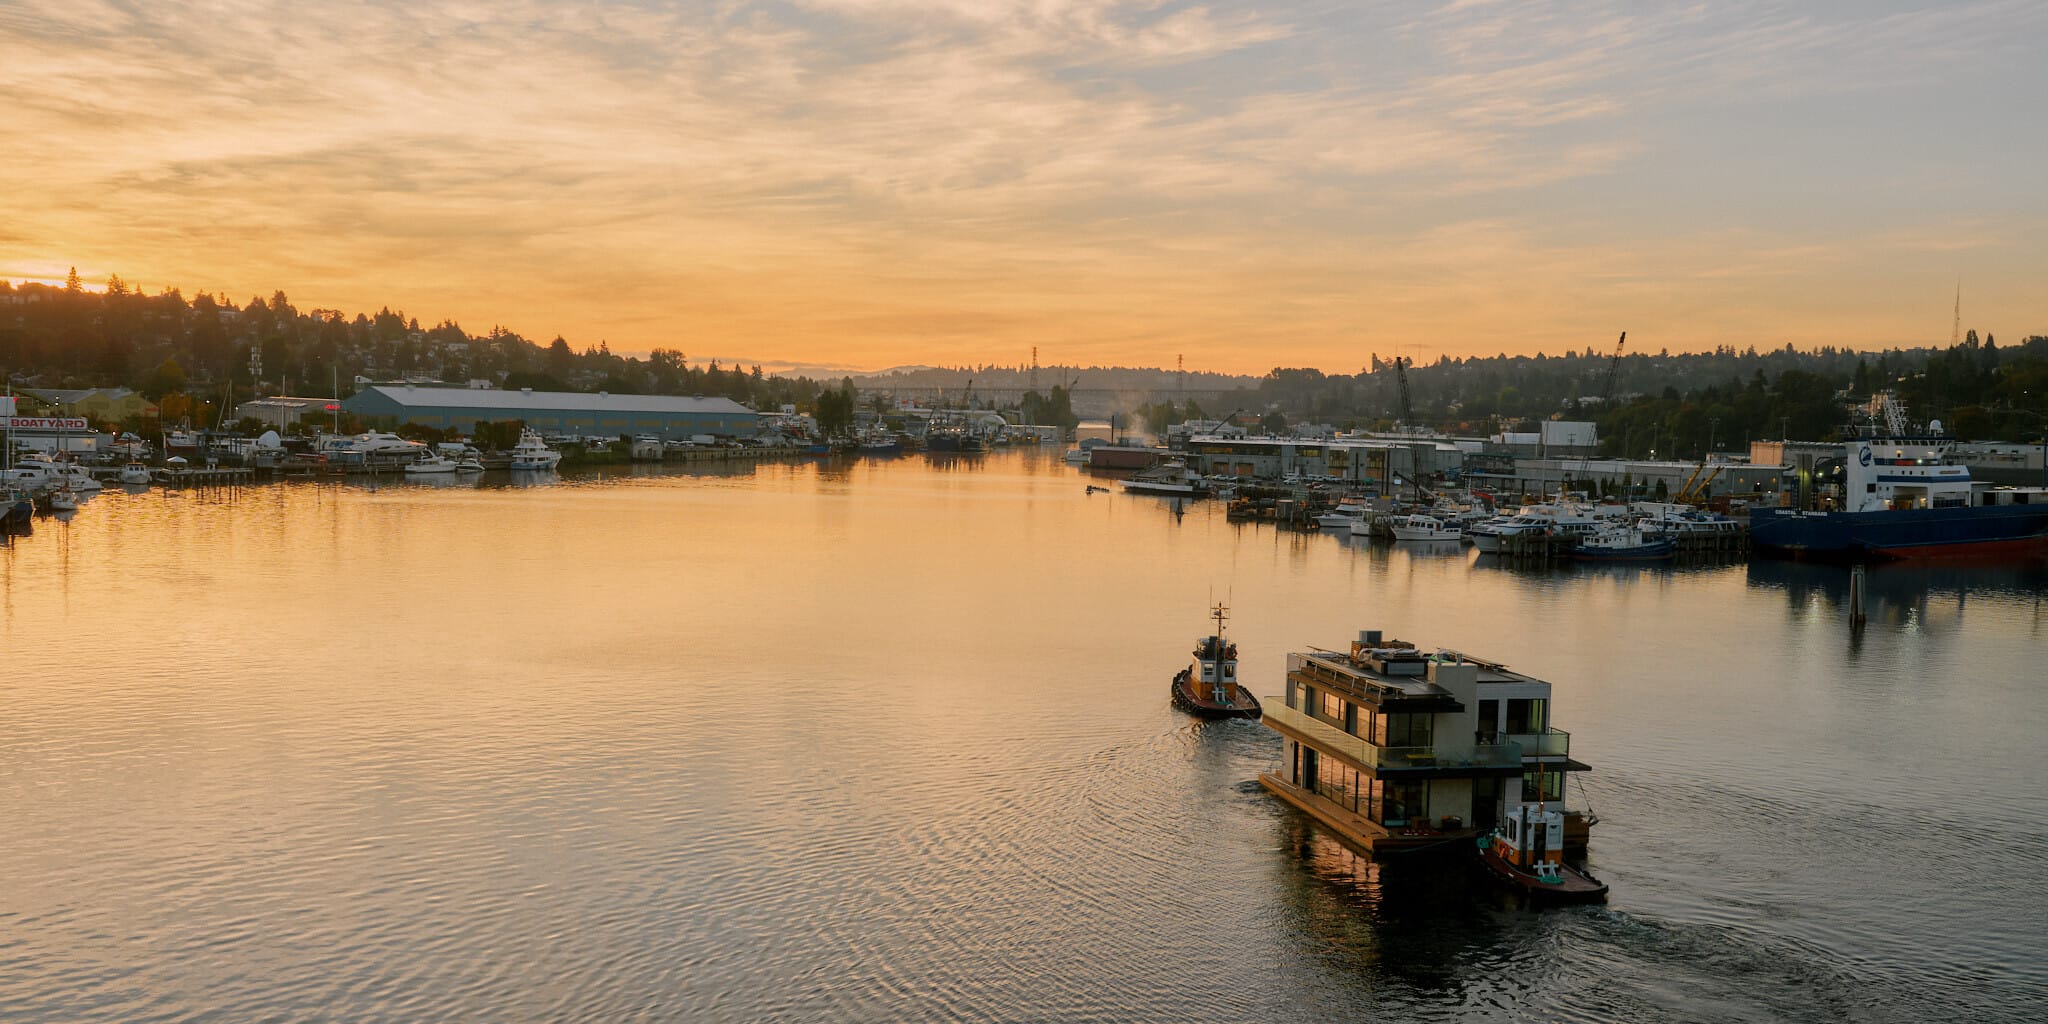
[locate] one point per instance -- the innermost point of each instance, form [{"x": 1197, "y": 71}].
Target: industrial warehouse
[{"x": 556, "y": 412}]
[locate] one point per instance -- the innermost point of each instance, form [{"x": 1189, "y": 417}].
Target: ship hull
[
  {"x": 1655, "y": 551},
  {"x": 1573, "y": 885},
  {"x": 1185, "y": 698},
  {"x": 1931, "y": 533}
]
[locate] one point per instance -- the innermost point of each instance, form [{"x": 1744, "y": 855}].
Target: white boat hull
[
  {"x": 1165, "y": 490},
  {"x": 1411, "y": 533}
]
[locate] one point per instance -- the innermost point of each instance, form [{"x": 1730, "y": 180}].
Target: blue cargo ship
[{"x": 1904, "y": 498}]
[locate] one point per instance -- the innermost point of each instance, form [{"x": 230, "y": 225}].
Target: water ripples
[{"x": 890, "y": 744}]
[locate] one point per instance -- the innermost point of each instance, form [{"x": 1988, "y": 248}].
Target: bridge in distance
[{"x": 1093, "y": 403}]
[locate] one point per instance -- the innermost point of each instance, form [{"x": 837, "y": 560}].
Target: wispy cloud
[{"x": 874, "y": 181}]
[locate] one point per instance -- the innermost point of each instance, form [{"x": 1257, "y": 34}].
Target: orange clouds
[{"x": 870, "y": 182}]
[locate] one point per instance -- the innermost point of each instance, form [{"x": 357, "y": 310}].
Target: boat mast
[{"x": 1220, "y": 613}]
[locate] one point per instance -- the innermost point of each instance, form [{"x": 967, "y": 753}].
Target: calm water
[{"x": 890, "y": 741}]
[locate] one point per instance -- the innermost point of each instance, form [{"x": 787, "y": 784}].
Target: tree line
[
  {"x": 1673, "y": 404},
  {"x": 185, "y": 354}
]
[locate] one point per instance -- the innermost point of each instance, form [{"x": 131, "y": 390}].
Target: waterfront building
[
  {"x": 283, "y": 411},
  {"x": 1393, "y": 748},
  {"x": 1509, "y": 477},
  {"x": 1351, "y": 461},
  {"x": 553, "y": 412},
  {"x": 1551, "y": 439},
  {"x": 100, "y": 405}
]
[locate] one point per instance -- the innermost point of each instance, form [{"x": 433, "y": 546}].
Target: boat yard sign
[{"x": 45, "y": 423}]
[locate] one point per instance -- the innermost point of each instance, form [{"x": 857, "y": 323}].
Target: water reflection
[
  {"x": 1899, "y": 593},
  {"x": 885, "y": 739}
]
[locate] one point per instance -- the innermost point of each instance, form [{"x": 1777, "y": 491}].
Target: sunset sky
[{"x": 865, "y": 183}]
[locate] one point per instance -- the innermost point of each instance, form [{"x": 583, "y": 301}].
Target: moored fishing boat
[
  {"x": 17, "y": 509},
  {"x": 1623, "y": 544},
  {"x": 1208, "y": 688}
]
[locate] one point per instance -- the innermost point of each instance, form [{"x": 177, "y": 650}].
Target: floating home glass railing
[
  {"x": 1548, "y": 743},
  {"x": 1328, "y": 737}
]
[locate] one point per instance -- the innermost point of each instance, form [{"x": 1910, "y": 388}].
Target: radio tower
[
  {"x": 1955, "y": 333},
  {"x": 1034, "y": 369}
]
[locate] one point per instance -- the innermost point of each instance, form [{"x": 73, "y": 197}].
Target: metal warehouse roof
[{"x": 479, "y": 398}]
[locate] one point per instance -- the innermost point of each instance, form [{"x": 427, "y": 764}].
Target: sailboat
[{"x": 17, "y": 507}]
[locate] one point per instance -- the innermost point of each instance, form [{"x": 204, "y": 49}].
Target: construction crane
[
  {"x": 1695, "y": 490},
  {"x": 1613, "y": 368},
  {"x": 1401, "y": 380}
]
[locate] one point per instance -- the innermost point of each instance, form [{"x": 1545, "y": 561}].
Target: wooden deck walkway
[{"x": 1364, "y": 834}]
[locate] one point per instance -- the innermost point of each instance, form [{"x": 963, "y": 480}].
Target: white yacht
[
  {"x": 431, "y": 462},
  {"x": 55, "y": 473},
  {"x": 1422, "y": 527},
  {"x": 1668, "y": 519},
  {"x": 1343, "y": 515},
  {"x": 533, "y": 453},
  {"x": 135, "y": 473},
  {"x": 1171, "y": 479},
  {"x": 1485, "y": 534},
  {"x": 381, "y": 447},
  {"x": 1555, "y": 519}
]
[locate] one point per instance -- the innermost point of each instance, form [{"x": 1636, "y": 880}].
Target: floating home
[{"x": 1396, "y": 749}]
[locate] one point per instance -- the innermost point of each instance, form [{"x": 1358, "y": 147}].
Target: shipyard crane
[
  {"x": 1694, "y": 491},
  {"x": 1401, "y": 381},
  {"x": 1613, "y": 369}
]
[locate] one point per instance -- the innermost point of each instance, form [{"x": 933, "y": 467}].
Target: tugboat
[
  {"x": 1527, "y": 852},
  {"x": 1208, "y": 688}
]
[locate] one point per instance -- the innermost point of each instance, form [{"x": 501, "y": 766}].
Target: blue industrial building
[{"x": 552, "y": 412}]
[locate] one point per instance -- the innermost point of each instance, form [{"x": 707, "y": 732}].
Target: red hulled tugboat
[{"x": 1208, "y": 687}]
